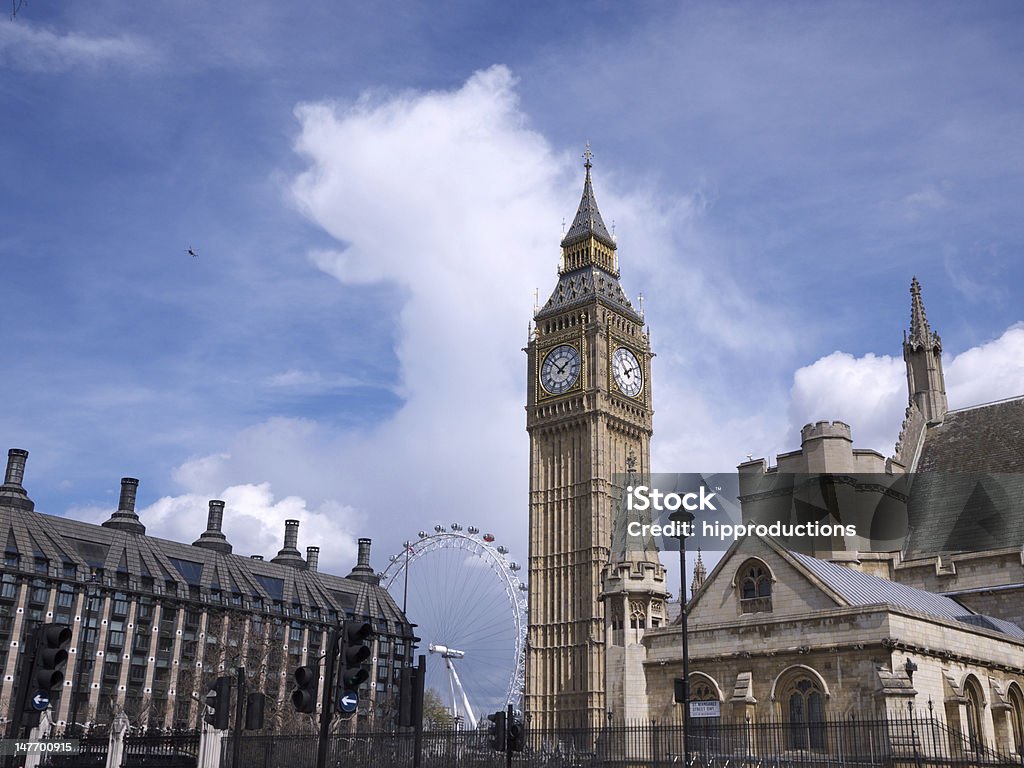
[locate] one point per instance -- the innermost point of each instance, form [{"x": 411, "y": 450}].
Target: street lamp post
[{"x": 684, "y": 524}]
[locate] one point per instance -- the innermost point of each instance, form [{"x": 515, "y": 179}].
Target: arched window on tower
[
  {"x": 755, "y": 587},
  {"x": 803, "y": 711}
]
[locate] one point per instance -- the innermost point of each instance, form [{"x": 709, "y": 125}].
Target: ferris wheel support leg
[{"x": 465, "y": 699}]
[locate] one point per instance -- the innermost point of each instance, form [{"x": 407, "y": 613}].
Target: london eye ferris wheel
[{"x": 462, "y": 591}]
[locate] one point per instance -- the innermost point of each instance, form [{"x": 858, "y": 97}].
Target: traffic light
[
  {"x": 304, "y": 696},
  {"x": 405, "y": 697},
  {"x": 679, "y": 691},
  {"x": 254, "y": 706},
  {"x": 497, "y": 731},
  {"x": 52, "y": 642},
  {"x": 516, "y": 736},
  {"x": 218, "y": 704},
  {"x": 353, "y": 654}
]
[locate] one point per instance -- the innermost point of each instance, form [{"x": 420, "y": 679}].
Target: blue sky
[{"x": 375, "y": 191}]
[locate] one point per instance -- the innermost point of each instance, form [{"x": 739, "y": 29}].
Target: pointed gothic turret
[
  {"x": 589, "y": 267},
  {"x": 700, "y": 573},
  {"x": 634, "y": 593},
  {"x": 588, "y": 223},
  {"x": 922, "y": 352}
]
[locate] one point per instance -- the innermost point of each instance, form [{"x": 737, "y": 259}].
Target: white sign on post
[{"x": 705, "y": 709}]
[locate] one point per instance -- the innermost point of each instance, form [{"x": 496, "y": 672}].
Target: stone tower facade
[
  {"x": 588, "y": 411},
  {"x": 635, "y": 600}
]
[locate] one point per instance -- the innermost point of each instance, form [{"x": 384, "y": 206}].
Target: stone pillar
[{"x": 115, "y": 747}]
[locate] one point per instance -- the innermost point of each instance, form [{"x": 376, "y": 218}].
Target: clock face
[
  {"x": 560, "y": 369},
  {"x": 628, "y": 374}
]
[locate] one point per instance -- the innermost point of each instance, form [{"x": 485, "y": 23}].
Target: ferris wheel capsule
[
  {"x": 489, "y": 537},
  {"x": 439, "y": 528},
  {"x": 473, "y": 530},
  {"x": 502, "y": 550}
]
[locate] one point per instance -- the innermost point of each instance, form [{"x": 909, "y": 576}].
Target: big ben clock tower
[{"x": 588, "y": 414}]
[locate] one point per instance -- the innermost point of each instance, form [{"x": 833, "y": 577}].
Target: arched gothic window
[
  {"x": 701, "y": 690},
  {"x": 803, "y": 708},
  {"x": 755, "y": 587},
  {"x": 1017, "y": 716},
  {"x": 638, "y": 615},
  {"x": 975, "y": 710}
]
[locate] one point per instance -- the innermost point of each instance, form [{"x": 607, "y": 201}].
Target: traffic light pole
[
  {"x": 27, "y": 662},
  {"x": 236, "y": 740},
  {"x": 417, "y": 707},
  {"x": 327, "y": 707}
]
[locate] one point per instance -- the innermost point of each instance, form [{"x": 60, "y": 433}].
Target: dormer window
[{"x": 755, "y": 587}]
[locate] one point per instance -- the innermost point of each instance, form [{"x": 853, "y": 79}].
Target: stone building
[
  {"x": 781, "y": 636},
  {"x": 923, "y": 608},
  {"x": 154, "y": 621}
]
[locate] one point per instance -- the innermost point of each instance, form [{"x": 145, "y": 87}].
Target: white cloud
[
  {"x": 28, "y": 47},
  {"x": 928, "y": 199},
  {"x": 253, "y": 522},
  {"x": 991, "y": 371},
  {"x": 451, "y": 198},
  {"x": 870, "y": 392}
]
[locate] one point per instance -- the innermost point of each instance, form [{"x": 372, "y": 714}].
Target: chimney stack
[
  {"x": 312, "y": 558},
  {"x": 363, "y": 571},
  {"x": 212, "y": 537},
  {"x": 12, "y": 493},
  {"x": 129, "y": 487},
  {"x": 289, "y": 554},
  {"x": 125, "y": 519}
]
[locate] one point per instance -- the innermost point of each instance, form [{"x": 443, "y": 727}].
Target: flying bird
[{"x": 190, "y": 252}]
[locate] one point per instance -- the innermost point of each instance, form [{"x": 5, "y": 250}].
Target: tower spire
[
  {"x": 922, "y": 352},
  {"x": 588, "y": 223},
  {"x": 920, "y": 331}
]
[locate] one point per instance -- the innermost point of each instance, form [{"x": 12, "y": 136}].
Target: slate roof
[
  {"x": 585, "y": 285},
  {"x": 984, "y": 438},
  {"x": 968, "y": 491},
  {"x": 63, "y": 541},
  {"x": 859, "y": 588}
]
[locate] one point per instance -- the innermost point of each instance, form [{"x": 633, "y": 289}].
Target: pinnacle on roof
[
  {"x": 920, "y": 331},
  {"x": 700, "y": 574},
  {"x": 588, "y": 222}
]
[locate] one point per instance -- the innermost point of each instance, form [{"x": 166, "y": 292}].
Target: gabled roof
[
  {"x": 855, "y": 588},
  {"x": 858, "y": 588}
]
